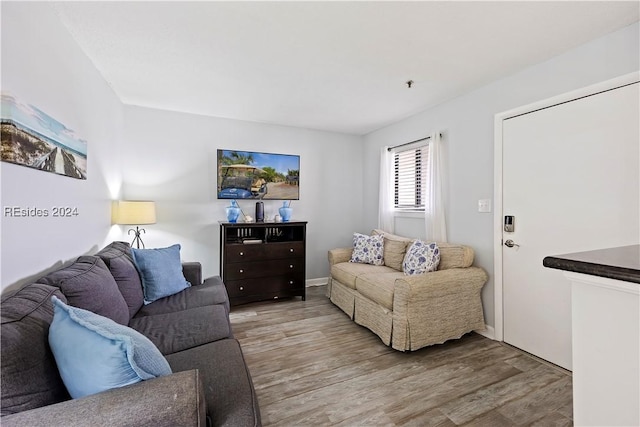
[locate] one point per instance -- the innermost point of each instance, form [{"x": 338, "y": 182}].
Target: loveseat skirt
[
  {"x": 444, "y": 314},
  {"x": 375, "y": 317},
  {"x": 343, "y": 297}
]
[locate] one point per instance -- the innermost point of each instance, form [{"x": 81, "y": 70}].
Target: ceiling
[{"x": 334, "y": 66}]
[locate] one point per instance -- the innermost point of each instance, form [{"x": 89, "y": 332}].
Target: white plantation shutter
[{"x": 411, "y": 178}]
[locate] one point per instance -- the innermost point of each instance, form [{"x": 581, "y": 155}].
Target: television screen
[{"x": 252, "y": 175}]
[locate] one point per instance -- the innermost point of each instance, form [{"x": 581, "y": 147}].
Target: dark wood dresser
[{"x": 263, "y": 261}]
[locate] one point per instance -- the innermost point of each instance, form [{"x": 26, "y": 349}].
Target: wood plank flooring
[{"x": 312, "y": 366}]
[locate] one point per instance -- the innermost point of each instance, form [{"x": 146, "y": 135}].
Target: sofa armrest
[
  {"x": 221, "y": 289},
  {"x": 339, "y": 255},
  {"x": 423, "y": 288},
  {"x": 192, "y": 272},
  {"x": 433, "y": 307},
  {"x": 176, "y": 399}
]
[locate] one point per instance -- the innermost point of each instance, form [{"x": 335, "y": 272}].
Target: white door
[{"x": 571, "y": 181}]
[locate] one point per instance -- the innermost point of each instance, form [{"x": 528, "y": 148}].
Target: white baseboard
[
  {"x": 316, "y": 282},
  {"x": 490, "y": 332}
]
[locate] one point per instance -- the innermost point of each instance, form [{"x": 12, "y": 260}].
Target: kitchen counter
[
  {"x": 620, "y": 263},
  {"x": 605, "y": 316}
]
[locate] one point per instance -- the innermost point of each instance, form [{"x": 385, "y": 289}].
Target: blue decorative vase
[
  {"x": 233, "y": 211},
  {"x": 285, "y": 212}
]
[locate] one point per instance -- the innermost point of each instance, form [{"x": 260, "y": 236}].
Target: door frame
[{"x": 499, "y": 118}]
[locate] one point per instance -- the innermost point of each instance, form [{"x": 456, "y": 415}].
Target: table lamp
[{"x": 136, "y": 212}]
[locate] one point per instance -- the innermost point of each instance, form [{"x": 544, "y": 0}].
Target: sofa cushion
[
  {"x": 117, "y": 257},
  {"x": 395, "y": 248},
  {"x": 378, "y": 287},
  {"x": 421, "y": 258},
  {"x": 173, "y": 332},
  {"x": 347, "y": 272},
  {"x": 211, "y": 292},
  {"x": 161, "y": 272},
  {"x": 455, "y": 256},
  {"x": 88, "y": 284},
  {"x": 93, "y": 353},
  {"x": 229, "y": 391},
  {"x": 28, "y": 373},
  {"x": 451, "y": 255},
  {"x": 368, "y": 249}
]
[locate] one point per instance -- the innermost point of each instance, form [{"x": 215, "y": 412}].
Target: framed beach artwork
[{"x": 32, "y": 138}]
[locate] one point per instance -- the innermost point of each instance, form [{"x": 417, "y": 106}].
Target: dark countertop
[{"x": 621, "y": 263}]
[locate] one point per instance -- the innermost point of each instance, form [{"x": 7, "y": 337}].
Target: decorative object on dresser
[
  {"x": 136, "y": 212},
  {"x": 233, "y": 211},
  {"x": 286, "y": 211},
  {"x": 263, "y": 261},
  {"x": 259, "y": 212}
]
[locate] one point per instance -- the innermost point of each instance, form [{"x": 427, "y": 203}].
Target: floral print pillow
[
  {"x": 421, "y": 258},
  {"x": 368, "y": 249}
]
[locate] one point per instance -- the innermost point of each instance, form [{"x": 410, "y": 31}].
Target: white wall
[
  {"x": 43, "y": 66},
  {"x": 139, "y": 153},
  {"x": 170, "y": 157},
  {"x": 467, "y": 123}
]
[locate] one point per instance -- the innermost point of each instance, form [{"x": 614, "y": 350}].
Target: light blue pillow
[
  {"x": 160, "y": 271},
  {"x": 94, "y": 353},
  {"x": 421, "y": 258}
]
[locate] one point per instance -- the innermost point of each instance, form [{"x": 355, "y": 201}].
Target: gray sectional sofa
[{"x": 210, "y": 383}]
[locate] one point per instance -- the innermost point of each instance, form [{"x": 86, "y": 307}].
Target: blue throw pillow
[
  {"x": 161, "y": 272},
  {"x": 94, "y": 353},
  {"x": 421, "y": 258},
  {"x": 368, "y": 249}
]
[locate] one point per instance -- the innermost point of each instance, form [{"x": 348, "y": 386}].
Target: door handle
[{"x": 510, "y": 244}]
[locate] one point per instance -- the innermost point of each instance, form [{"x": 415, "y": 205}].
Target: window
[{"x": 410, "y": 176}]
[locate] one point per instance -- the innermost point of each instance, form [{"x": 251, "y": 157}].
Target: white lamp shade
[{"x": 136, "y": 212}]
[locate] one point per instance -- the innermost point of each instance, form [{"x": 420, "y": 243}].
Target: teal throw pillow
[
  {"x": 160, "y": 271},
  {"x": 94, "y": 353}
]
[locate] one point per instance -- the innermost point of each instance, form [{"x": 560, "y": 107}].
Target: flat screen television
[{"x": 261, "y": 176}]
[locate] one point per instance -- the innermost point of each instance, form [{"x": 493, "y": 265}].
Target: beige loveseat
[{"x": 409, "y": 312}]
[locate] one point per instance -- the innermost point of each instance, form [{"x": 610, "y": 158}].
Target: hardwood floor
[{"x": 312, "y": 366}]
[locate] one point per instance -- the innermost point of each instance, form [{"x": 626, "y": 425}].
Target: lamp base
[{"x": 137, "y": 239}]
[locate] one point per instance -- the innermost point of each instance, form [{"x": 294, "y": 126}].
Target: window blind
[{"x": 411, "y": 178}]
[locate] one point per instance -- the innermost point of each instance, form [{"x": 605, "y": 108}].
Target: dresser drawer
[
  {"x": 276, "y": 267},
  {"x": 272, "y": 267},
  {"x": 268, "y": 285},
  {"x": 243, "y": 253}
]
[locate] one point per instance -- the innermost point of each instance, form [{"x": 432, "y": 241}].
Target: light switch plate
[{"x": 484, "y": 205}]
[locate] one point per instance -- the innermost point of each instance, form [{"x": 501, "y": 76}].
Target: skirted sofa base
[{"x": 409, "y": 312}]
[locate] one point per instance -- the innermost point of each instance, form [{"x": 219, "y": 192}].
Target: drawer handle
[
  {"x": 290, "y": 265},
  {"x": 291, "y": 250},
  {"x": 241, "y": 271},
  {"x": 242, "y": 288},
  {"x": 276, "y": 297},
  {"x": 241, "y": 253},
  {"x": 291, "y": 282}
]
